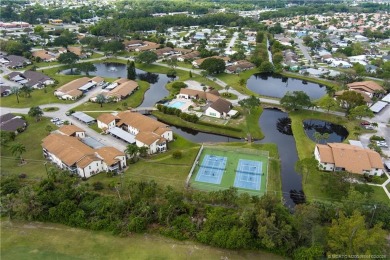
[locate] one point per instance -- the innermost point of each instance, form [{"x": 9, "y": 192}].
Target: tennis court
[
  {"x": 222, "y": 167},
  {"x": 248, "y": 174},
  {"x": 211, "y": 169}
]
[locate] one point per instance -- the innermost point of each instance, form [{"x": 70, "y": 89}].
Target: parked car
[
  {"x": 365, "y": 123},
  {"x": 55, "y": 119},
  {"x": 59, "y": 122},
  {"x": 369, "y": 127},
  {"x": 381, "y": 144}
]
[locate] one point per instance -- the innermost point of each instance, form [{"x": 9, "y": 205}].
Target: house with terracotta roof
[
  {"x": 139, "y": 129},
  {"x": 70, "y": 154},
  {"x": 71, "y": 130},
  {"x": 119, "y": 90},
  {"x": 216, "y": 106},
  {"x": 371, "y": 88},
  {"x": 45, "y": 55},
  {"x": 77, "y": 87},
  {"x": 349, "y": 158}
]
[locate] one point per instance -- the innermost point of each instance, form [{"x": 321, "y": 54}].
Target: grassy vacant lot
[
  {"x": 312, "y": 182},
  {"x": 34, "y": 168},
  {"x": 35, "y": 240},
  {"x": 132, "y": 101}
]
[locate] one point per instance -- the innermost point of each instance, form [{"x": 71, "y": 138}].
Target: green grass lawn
[
  {"x": 31, "y": 138},
  {"x": 36, "y": 240},
  {"x": 38, "y": 97},
  {"x": 233, "y": 80},
  {"x": 388, "y": 187},
  {"x": 132, "y": 101},
  {"x": 313, "y": 181},
  {"x": 162, "y": 168}
]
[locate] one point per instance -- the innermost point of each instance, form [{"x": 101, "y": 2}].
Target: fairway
[
  {"x": 219, "y": 167},
  {"x": 35, "y": 240}
]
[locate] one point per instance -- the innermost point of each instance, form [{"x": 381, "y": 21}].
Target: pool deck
[{"x": 185, "y": 106}]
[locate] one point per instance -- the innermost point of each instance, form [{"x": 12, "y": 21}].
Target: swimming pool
[{"x": 177, "y": 104}]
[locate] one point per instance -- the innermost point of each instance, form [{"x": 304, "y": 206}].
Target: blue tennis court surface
[
  {"x": 212, "y": 168},
  {"x": 248, "y": 174}
]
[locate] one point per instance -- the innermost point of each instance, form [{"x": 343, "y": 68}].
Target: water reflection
[
  {"x": 298, "y": 197},
  {"x": 275, "y": 126},
  {"x": 274, "y": 85},
  {"x": 148, "y": 77},
  {"x": 334, "y": 132},
  {"x": 284, "y": 126}
]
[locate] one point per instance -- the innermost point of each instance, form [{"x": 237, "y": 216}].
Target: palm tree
[
  {"x": 27, "y": 91},
  {"x": 227, "y": 87},
  {"x": 16, "y": 91},
  {"x": 17, "y": 149},
  {"x": 132, "y": 150},
  {"x": 143, "y": 151}
]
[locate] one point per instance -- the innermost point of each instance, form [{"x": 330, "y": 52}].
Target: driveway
[
  {"x": 383, "y": 129},
  {"x": 5, "y": 71}
]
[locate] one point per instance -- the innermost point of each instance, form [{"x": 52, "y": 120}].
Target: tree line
[{"x": 221, "y": 218}]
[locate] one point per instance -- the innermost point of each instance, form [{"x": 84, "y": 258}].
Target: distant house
[
  {"x": 238, "y": 66},
  {"x": 138, "y": 45},
  {"x": 189, "y": 56},
  {"x": 138, "y": 129},
  {"x": 371, "y": 68},
  {"x": 367, "y": 99},
  {"x": 12, "y": 123},
  {"x": 77, "y": 87},
  {"x": 31, "y": 79},
  {"x": 45, "y": 55},
  {"x": 5, "y": 91},
  {"x": 371, "y": 88},
  {"x": 119, "y": 90},
  {"x": 350, "y": 158},
  {"x": 198, "y": 63},
  {"x": 14, "y": 61},
  {"x": 70, "y": 154}
]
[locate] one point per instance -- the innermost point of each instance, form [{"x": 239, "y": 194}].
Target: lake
[{"x": 272, "y": 85}]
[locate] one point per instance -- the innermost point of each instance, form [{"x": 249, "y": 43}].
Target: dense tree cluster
[{"x": 220, "y": 218}]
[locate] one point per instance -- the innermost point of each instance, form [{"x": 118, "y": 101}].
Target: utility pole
[{"x": 373, "y": 213}]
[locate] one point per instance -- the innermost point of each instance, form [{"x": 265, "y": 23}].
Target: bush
[
  {"x": 377, "y": 138},
  {"x": 98, "y": 185},
  {"x": 178, "y": 85},
  {"x": 177, "y": 154}
]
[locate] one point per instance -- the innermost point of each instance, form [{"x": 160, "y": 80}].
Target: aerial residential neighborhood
[{"x": 173, "y": 129}]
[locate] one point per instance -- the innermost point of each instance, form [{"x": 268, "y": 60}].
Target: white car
[
  {"x": 59, "y": 122},
  {"x": 381, "y": 144},
  {"x": 53, "y": 120}
]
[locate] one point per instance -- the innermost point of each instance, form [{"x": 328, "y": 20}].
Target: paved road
[
  {"x": 303, "y": 49},
  {"x": 231, "y": 43}
]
